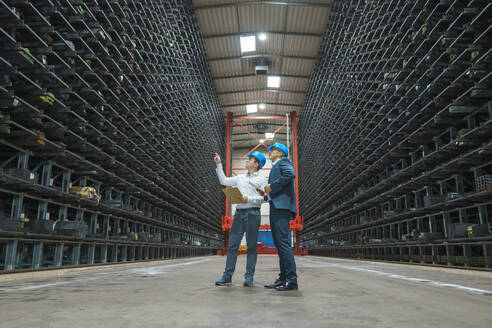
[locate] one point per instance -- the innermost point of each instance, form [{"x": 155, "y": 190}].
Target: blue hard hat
[
  {"x": 280, "y": 146},
  {"x": 259, "y": 156}
]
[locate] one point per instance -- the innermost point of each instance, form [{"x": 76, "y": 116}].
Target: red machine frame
[{"x": 296, "y": 224}]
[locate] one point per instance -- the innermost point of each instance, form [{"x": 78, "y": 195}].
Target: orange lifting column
[
  {"x": 296, "y": 224},
  {"x": 226, "y": 227},
  {"x": 226, "y": 223},
  {"x": 227, "y": 219}
]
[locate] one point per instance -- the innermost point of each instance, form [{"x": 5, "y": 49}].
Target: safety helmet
[
  {"x": 280, "y": 146},
  {"x": 259, "y": 156}
]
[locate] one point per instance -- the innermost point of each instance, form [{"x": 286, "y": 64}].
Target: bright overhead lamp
[
  {"x": 251, "y": 108},
  {"x": 262, "y": 141},
  {"x": 262, "y": 106},
  {"x": 248, "y": 43},
  {"x": 262, "y": 36},
  {"x": 269, "y": 135},
  {"x": 273, "y": 82}
]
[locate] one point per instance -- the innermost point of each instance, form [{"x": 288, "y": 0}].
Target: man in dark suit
[{"x": 281, "y": 194}]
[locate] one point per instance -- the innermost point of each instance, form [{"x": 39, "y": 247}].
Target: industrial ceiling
[{"x": 287, "y": 39}]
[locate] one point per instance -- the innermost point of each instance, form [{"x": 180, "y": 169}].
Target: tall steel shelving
[
  {"x": 396, "y": 134},
  {"x": 114, "y": 96}
]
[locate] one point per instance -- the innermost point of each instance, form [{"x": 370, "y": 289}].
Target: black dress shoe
[
  {"x": 276, "y": 284},
  {"x": 287, "y": 286}
]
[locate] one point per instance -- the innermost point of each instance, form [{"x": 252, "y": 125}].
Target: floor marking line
[
  {"x": 151, "y": 270},
  {"x": 401, "y": 277}
]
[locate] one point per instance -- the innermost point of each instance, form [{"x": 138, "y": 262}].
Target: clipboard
[{"x": 233, "y": 194}]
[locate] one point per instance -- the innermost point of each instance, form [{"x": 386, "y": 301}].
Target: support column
[
  {"x": 46, "y": 175},
  {"x": 11, "y": 255},
  {"x": 17, "y": 205},
  {"x": 228, "y": 172},
  {"x": 91, "y": 254},
  {"x": 76, "y": 254},
  {"x": 37, "y": 256},
  {"x": 66, "y": 181},
  {"x": 59, "y": 254},
  {"x": 296, "y": 168},
  {"x": 43, "y": 210}
]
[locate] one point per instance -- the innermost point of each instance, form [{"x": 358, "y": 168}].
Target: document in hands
[{"x": 233, "y": 194}]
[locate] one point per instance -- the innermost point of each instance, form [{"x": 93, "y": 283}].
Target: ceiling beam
[
  {"x": 266, "y": 103},
  {"x": 255, "y": 124},
  {"x": 264, "y": 117},
  {"x": 257, "y": 132},
  {"x": 253, "y": 75},
  {"x": 226, "y": 35},
  {"x": 263, "y": 2},
  {"x": 254, "y": 142},
  {"x": 263, "y": 89},
  {"x": 244, "y": 148},
  {"x": 263, "y": 55}
]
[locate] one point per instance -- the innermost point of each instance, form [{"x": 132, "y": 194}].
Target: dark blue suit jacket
[{"x": 282, "y": 182}]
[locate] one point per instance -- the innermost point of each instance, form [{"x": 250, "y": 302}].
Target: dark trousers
[{"x": 279, "y": 224}]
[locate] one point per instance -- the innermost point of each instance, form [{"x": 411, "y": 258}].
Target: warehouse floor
[{"x": 181, "y": 293}]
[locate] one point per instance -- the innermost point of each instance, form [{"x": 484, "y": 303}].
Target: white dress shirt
[{"x": 247, "y": 185}]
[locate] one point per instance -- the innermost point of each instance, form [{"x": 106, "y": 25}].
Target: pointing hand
[{"x": 217, "y": 158}]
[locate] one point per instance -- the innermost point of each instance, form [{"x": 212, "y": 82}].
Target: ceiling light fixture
[
  {"x": 269, "y": 135},
  {"x": 262, "y": 106},
  {"x": 262, "y": 36},
  {"x": 248, "y": 43},
  {"x": 273, "y": 82},
  {"x": 251, "y": 108}
]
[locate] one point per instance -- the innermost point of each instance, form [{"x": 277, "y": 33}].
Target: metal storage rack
[
  {"x": 114, "y": 96},
  {"x": 396, "y": 134}
]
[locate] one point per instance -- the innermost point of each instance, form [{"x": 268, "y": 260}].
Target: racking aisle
[
  {"x": 399, "y": 118},
  {"x": 108, "y": 118}
]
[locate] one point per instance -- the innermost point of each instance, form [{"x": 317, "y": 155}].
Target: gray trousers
[{"x": 245, "y": 220}]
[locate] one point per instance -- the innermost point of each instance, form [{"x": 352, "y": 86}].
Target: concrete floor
[{"x": 181, "y": 293}]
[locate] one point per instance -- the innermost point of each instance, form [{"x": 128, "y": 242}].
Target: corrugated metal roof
[
  {"x": 253, "y": 97},
  {"x": 232, "y": 98},
  {"x": 222, "y": 47},
  {"x": 260, "y": 17},
  {"x": 218, "y": 21},
  {"x": 291, "y": 98},
  {"x": 294, "y": 66},
  {"x": 227, "y": 67},
  {"x": 253, "y": 82},
  {"x": 294, "y": 84},
  {"x": 198, "y": 3},
  {"x": 302, "y": 45},
  {"x": 273, "y": 45},
  {"x": 307, "y": 19},
  {"x": 261, "y": 96},
  {"x": 240, "y": 83},
  {"x": 269, "y": 110},
  {"x": 310, "y": 1},
  {"x": 294, "y": 34}
]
